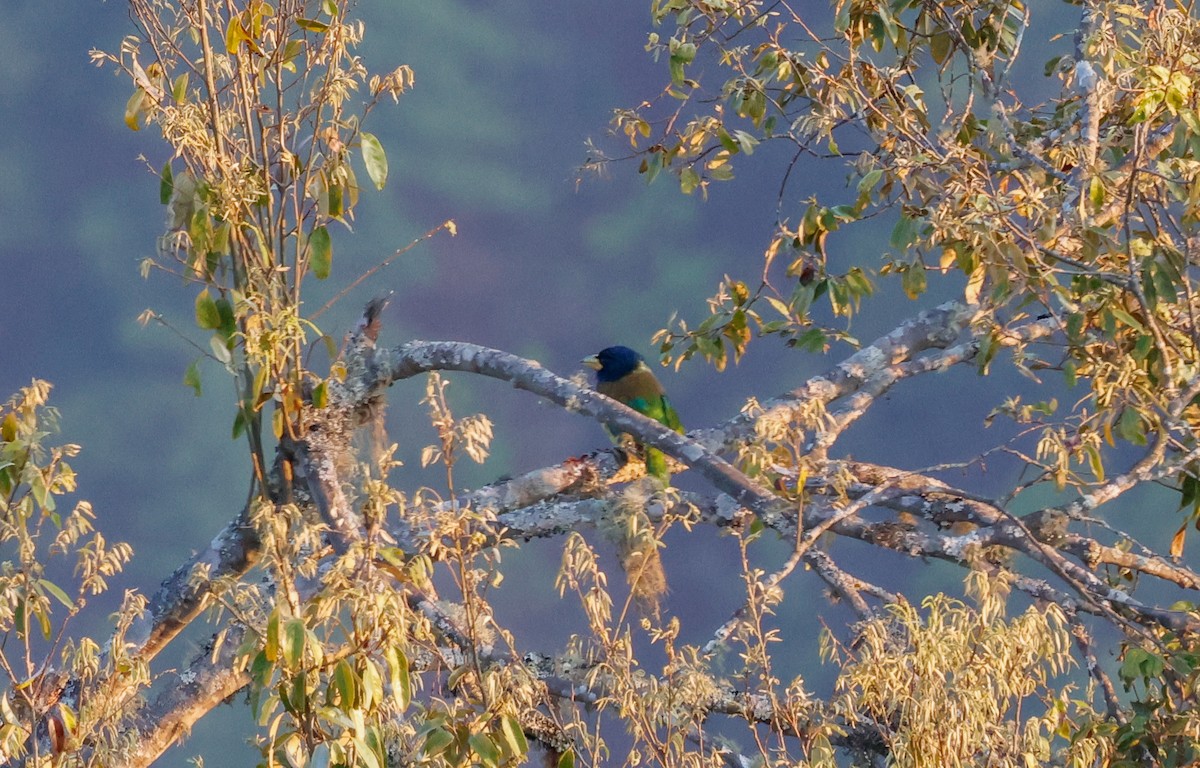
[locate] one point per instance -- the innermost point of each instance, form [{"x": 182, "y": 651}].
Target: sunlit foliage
[
  {"x": 53, "y": 562},
  {"x": 356, "y": 616}
]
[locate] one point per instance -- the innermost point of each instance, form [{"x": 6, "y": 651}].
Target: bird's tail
[
  {"x": 642, "y": 564},
  {"x": 637, "y": 546}
]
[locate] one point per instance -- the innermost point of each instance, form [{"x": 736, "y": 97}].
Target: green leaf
[
  {"x": 567, "y": 759},
  {"x": 294, "y": 695},
  {"x": 842, "y": 213},
  {"x": 651, "y": 165},
  {"x": 1096, "y": 192},
  {"x": 134, "y": 109},
  {"x": 228, "y": 326},
  {"x": 1165, "y": 279},
  {"x": 220, "y": 240},
  {"x": 746, "y": 142},
  {"x": 676, "y": 68},
  {"x": 1128, "y": 319},
  {"x": 44, "y": 623},
  {"x": 869, "y": 180},
  {"x": 1129, "y": 667},
  {"x": 904, "y": 233},
  {"x": 437, "y": 741},
  {"x": 8, "y": 429},
  {"x": 312, "y": 25},
  {"x": 207, "y": 314},
  {"x": 191, "y": 377},
  {"x": 398, "y": 673},
  {"x": 220, "y": 350},
  {"x": 483, "y": 746},
  {"x": 331, "y": 347},
  {"x": 392, "y": 555},
  {"x": 1130, "y": 427},
  {"x": 375, "y": 159},
  {"x": 887, "y": 25},
  {"x": 166, "y": 184},
  {"x": 320, "y": 256},
  {"x": 514, "y": 744},
  {"x": 939, "y": 47},
  {"x": 456, "y": 676},
  {"x": 199, "y": 229},
  {"x": 290, "y": 52},
  {"x": 913, "y": 280},
  {"x": 779, "y": 306},
  {"x": 334, "y": 201},
  {"x": 1096, "y": 463},
  {"x": 728, "y": 142},
  {"x": 271, "y": 647},
  {"x": 1075, "y": 327},
  {"x": 179, "y": 88},
  {"x": 369, "y": 749},
  {"x": 1143, "y": 346},
  {"x": 345, "y": 684},
  {"x": 372, "y": 685},
  {"x": 293, "y": 637},
  {"x": 56, "y": 591},
  {"x": 821, "y": 752},
  {"x": 1187, "y": 491},
  {"x": 320, "y": 395},
  {"x": 841, "y": 21},
  {"x": 688, "y": 180},
  {"x": 1140, "y": 664}
]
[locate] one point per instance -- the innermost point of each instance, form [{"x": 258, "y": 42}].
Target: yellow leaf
[
  {"x": 1177, "y": 541},
  {"x": 975, "y": 285},
  {"x": 134, "y": 109}
]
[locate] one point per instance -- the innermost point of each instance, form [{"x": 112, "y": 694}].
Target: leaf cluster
[{"x": 53, "y": 562}]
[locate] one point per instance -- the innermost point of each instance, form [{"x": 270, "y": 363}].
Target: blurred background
[{"x": 547, "y": 264}]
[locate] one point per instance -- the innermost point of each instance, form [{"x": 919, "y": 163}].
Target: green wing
[
  {"x": 659, "y": 409},
  {"x": 670, "y": 417}
]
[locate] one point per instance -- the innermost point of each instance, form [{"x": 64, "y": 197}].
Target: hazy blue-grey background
[{"x": 506, "y": 95}]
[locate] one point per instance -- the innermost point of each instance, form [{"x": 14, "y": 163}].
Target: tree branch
[{"x": 534, "y": 505}]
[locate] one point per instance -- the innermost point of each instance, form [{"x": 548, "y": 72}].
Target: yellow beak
[{"x": 592, "y": 362}]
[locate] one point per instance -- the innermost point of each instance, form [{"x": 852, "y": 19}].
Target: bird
[{"x": 622, "y": 374}]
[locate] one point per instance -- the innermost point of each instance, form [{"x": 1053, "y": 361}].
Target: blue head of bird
[{"x": 612, "y": 363}]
